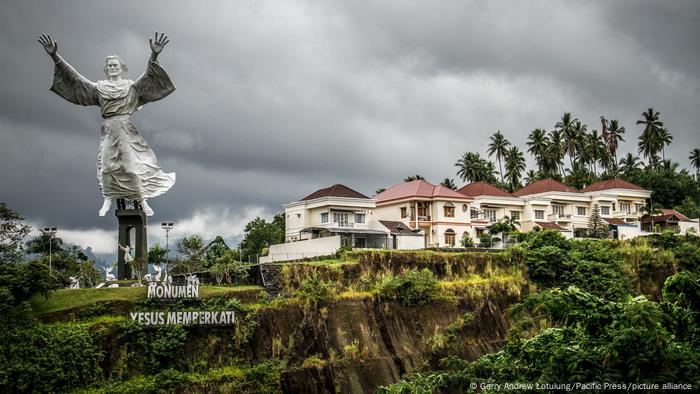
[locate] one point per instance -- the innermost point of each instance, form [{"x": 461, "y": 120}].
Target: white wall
[
  {"x": 410, "y": 242},
  {"x": 302, "y": 249},
  {"x": 685, "y": 226}
]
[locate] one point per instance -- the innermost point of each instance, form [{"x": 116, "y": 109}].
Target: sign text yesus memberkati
[{"x": 167, "y": 291}]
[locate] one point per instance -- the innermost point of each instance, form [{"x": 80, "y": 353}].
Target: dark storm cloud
[{"x": 276, "y": 99}]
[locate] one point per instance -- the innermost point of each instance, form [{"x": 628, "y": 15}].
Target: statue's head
[{"x": 114, "y": 66}]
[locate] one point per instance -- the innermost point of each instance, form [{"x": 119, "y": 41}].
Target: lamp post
[
  {"x": 50, "y": 233},
  {"x": 167, "y": 226}
]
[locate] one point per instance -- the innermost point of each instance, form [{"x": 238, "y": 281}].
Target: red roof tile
[
  {"x": 337, "y": 190},
  {"x": 611, "y": 184},
  {"x": 483, "y": 189},
  {"x": 419, "y": 188},
  {"x": 614, "y": 221},
  {"x": 545, "y": 185},
  {"x": 549, "y": 226}
]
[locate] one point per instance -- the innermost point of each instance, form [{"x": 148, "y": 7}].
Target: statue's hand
[
  {"x": 50, "y": 46},
  {"x": 159, "y": 43}
]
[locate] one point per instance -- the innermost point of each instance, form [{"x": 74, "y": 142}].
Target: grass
[{"x": 70, "y": 298}]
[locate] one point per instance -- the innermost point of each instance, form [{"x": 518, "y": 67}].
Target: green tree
[
  {"x": 688, "y": 207},
  {"x": 613, "y": 135},
  {"x": 597, "y": 227},
  {"x": 515, "y": 165},
  {"x": 649, "y": 141},
  {"x": 473, "y": 168},
  {"x": 411, "y": 178},
  {"x": 259, "y": 234},
  {"x": 538, "y": 144},
  {"x": 629, "y": 164},
  {"x": 695, "y": 161},
  {"x": 44, "y": 243},
  {"x": 498, "y": 146},
  {"x": 215, "y": 249},
  {"x": 12, "y": 233},
  {"x": 191, "y": 255},
  {"x": 449, "y": 183},
  {"x": 157, "y": 255}
]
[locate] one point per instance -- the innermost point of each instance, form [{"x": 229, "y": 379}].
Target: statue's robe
[{"x": 126, "y": 165}]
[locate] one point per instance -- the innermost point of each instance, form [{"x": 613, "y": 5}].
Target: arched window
[{"x": 449, "y": 237}]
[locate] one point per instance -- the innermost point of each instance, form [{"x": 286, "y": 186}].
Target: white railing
[{"x": 558, "y": 216}]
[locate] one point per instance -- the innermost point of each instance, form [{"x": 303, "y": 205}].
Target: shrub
[
  {"x": 538, "y": 239},
  {"x": 687, "y": 257},
  {"x": 413, "y": 288},
  {"x": 314, "y": 289}
]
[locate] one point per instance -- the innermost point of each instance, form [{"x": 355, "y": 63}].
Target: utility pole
[{"x": 50, "y": 233}]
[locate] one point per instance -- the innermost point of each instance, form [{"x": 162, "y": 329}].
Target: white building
[{"x": 440, "y": 212}]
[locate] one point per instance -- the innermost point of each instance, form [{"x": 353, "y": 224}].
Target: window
[
  {"x": 581, "y": 211},
  {"x": 639, "y": 207},
  {"x": 558, "y": 210},
  {"x": 341, "y": 218},
  {"x": 404, "y": 212},
  {"x": 625, "y": 207},
  {"x": 605, "y": 210},
  {"x": 539, "y": 214},
  {"x": 490, "y": 214},
  {"x": 359, "y": 218},
  {"x": 450, "y": 237},
  {"x": 324, "y": 217},
  {"x": 465, "y": 207},
  {"x": 449, "y": 212},
  {"x": 474, "y": 214},
  {"x": 515, "y": 215}
]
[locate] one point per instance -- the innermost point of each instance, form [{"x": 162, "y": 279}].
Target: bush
[
  {"x": 314, "y": 289},
  {"x": 687, "y": 257},
  {"x": 49, "y": 358},
  {"x": 538, "y": 239},
  {"x": 413, "y": 288}
]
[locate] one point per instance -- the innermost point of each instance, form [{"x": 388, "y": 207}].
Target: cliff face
[{"x": 350, "y": 338}]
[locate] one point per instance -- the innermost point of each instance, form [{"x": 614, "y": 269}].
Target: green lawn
[{"x": 69, "y": 298}]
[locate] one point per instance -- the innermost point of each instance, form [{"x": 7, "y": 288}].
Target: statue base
[{"x": 131, "y": 219}]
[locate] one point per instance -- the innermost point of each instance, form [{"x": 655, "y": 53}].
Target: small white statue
[
  {"x": 113, "y": 285},
  {"x": 148, "y": 277},
  {"x": 109, "y": 276},
  {"x": 74, "y": 283},
  {"x": 158, "y": 269},
  {"x": 127, "y": 253},
  {"x": 192, "y": 280}
]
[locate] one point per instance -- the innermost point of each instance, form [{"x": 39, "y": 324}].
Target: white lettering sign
[
  {"x": 168, "y": 291},
  {"x": 187, "y": 318}
]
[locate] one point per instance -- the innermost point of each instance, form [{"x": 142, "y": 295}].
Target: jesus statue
[{"x": 126, "y": 166}]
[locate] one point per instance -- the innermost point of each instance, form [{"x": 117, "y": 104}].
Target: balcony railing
[
  {"x": 421, "y": 218},
  {"x": 559, "y": 216},
  {"x": 343, "y": 224}
]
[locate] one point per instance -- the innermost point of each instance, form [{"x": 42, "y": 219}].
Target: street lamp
[
  {"x": 167, "y": 226},
  {"x": 50, "y": 233}
]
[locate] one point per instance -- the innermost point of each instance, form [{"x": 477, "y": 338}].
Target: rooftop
[
  {"x": 419, "y": 188},
  {"x": 483, "y": 189},
  {"x": 543, "y": 186},
  {"x": 611, "y": 184},
  {"x": 336, "y": 190}
]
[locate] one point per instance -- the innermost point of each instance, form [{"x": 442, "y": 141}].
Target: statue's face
[{"x": 114, "y": 68}]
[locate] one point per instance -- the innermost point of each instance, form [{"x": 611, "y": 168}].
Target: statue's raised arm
[
  {"x": 126, "y": 166},
  {"x": 67, "y": 82},
  {"x": 155, "y": 83}
]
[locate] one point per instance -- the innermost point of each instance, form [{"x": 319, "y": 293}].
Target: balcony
[
  {"x": 343, "y": 224},
  {"x": 626, "y": 215},
  {"x": 421, "y": 218},
  {"x": 559, "y": 217}
]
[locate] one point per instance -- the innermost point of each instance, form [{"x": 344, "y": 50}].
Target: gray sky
[{"x": 277, "y": 99}]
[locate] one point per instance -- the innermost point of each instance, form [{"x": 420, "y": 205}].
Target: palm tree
[
  {"x": 450, "y": 183},
  {"x": 596, "y": 148},
  {"x": 629, "y": 163},
  {"x": 413, "y": 178},
  {"x": 557, "y": 150},
  {"x": 695, "y": 160},
  {"x": 515, "y": 165},
  {"x": 613, "y": 137},
  {"x": 649, "y": 144},
  {"x": 498, "y": 146},
  {"x": 538, "y": 143},
  {"x": 566, "y": 127},
  {"x": 530, "y": 176},
  {"x": 471, "y": 167},
  {"x": 575, "y": 139},
  {"x": 665, "y": 138}
]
